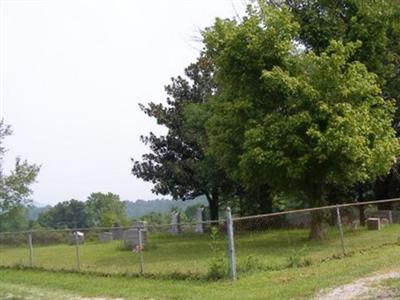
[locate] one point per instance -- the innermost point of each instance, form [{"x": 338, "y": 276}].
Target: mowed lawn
[
  {"x": 191, "y": 253},
  {"x": 291, "y": 283}
]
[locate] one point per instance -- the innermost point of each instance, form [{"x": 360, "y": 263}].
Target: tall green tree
[
  {"x": 15, "y": 188},
  {"x": 67, "y": 214},
  {"x": 106, "y": 210},
  {"x": 296, "y": 120},
  {"x": 376, "y": 23},
  {"x": 178, "y": 164},
  {"x": 241, "y": 51}
]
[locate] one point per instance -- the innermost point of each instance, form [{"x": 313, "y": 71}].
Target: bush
[
  {"x": 297, "y": 259},
  {"x": 217, "y": 268}
]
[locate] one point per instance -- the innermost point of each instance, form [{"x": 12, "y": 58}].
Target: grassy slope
[
  {"x": 285, "y": 284},
  {"x": 191, "y": 253}
]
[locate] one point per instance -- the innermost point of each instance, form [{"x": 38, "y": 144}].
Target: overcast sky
[{"x": 72, "y": 75}]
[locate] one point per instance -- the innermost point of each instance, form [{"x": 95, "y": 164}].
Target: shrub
[
  {"x": 297, "y": 259},
  {"x": 217, "y": 268}
]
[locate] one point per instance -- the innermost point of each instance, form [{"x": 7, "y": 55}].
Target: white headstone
[
  {"x": 199, "y": 220},
  {"x": 77, "y": 237}
]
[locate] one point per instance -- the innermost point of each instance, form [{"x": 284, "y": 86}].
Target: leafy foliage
[
  {"x": 376, "y": 24},
  {"x": 217, "y": 268},
  {"x": 15, "y": 188},
  {"x": 67, "y": 214},
  {"x": 297, "y": 120},
  {"x": 106, "y": 210},
  {"x": 178, "y": 163}
]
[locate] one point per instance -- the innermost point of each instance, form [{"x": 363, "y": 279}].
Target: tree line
[
  {"x": 99, "y": 210},
  {"x": 107, "y": 210},
  {"x": 292, "y": 105}
]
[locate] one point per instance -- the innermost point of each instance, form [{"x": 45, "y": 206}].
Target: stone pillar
[{"x": 199, "y": 220}]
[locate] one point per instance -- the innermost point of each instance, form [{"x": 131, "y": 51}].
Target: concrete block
[{"x": 374, "y": 224}]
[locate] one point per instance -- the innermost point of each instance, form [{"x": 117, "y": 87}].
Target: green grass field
[
  {"x": 266, "y": 265},
  {"x": 292, "y": 283},
  {"x": 191, "y": 253}
]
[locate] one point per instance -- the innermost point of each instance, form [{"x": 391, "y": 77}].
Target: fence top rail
[
  {"x": 71, "y": 230},
  {"x": 316, "y": 209}
]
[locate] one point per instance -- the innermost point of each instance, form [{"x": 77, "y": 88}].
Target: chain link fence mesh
[
  {"x": 165, "y": 250},
  {"x": 262, "y": 243}
]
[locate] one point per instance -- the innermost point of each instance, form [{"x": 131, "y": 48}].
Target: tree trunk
[
  {"x": 381, "y": 190},
  {"x": 241, "y": 210},
  {"x": 213, "y": 203},
  {"x": 361, "y": 211},
  {"x": 362, "y": 214},
  {"x": 265, "y": 203},
  {"x": 263, "y": 195},
  {"x": 317, "y": 195},
  {"x": 317, "y": 231}
]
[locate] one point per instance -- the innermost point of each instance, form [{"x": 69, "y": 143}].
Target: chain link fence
[
  {"x": 282, "y": 240},
  {"x": 212, "y": 249},
  {"x": 148, "y": 249}
]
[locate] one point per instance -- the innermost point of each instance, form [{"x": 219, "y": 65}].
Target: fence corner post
[
  {"x": 339, "y": 223},
  {"x": 231, "y": 245}
]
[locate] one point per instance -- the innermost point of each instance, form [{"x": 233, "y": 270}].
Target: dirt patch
[{"x": 364, "y": 288}]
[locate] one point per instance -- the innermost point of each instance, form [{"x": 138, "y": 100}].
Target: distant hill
[{"x": 138, "y": 208}]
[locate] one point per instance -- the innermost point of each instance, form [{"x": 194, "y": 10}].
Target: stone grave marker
[
  {"x": 117, "y": 233},
  {"x": 384, "y": 222},
  {"x": 141, "y": 225},
  {"x": 105, "y": 237},
  {"x": 382, "y": 214},
  {"x": 131, "y": 238},
  {"x": 374, "y": 224},
  {"x": 175, "y": 223},
  {"x": 199, "y": 219}
]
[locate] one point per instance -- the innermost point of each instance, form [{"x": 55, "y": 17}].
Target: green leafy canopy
[
  {"x": 293, "y": 118},
  {"x": 330, "y": 126}
]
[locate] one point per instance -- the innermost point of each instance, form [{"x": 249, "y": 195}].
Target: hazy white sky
[{"x": 72, "y": 75}]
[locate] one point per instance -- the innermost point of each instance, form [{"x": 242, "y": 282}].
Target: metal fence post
[
  {"x": 339, "y": 223},
  {"x": 78, "y": 259},
  {"x": 141, "y": 252},
  {"x": 30, "y": 249},
  {"x": 231, "y": 245}
]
